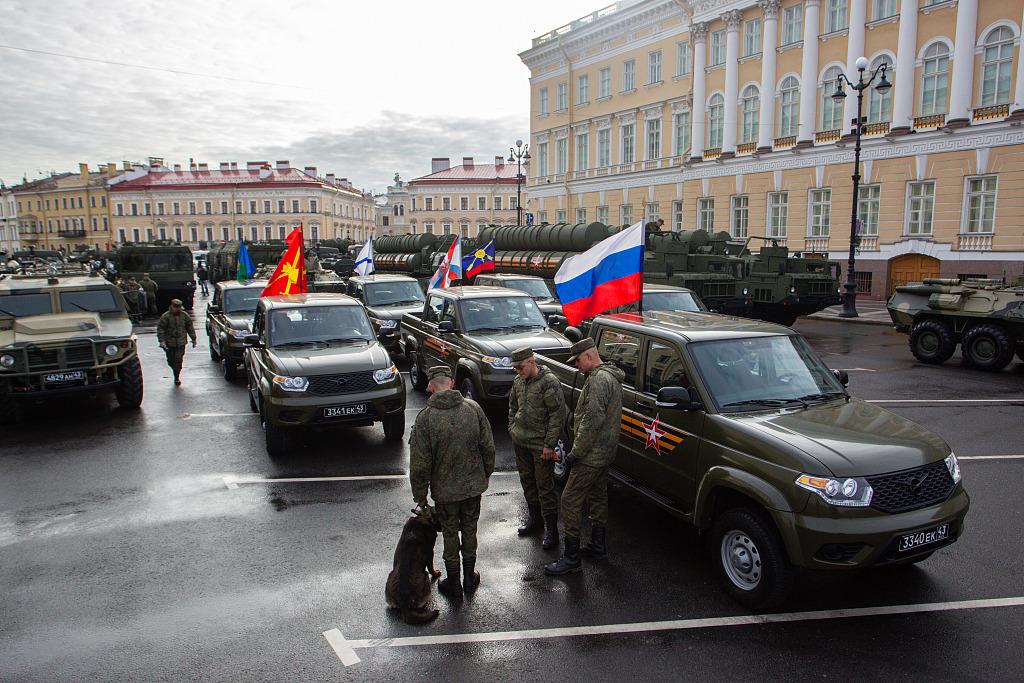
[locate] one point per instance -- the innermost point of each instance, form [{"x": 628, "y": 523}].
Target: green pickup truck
[
  {"x": 474, "y": 330},
  {"x": 738, "y": 427}
]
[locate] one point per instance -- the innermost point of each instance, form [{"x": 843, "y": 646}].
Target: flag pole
[{"x": 643, "y": 247}]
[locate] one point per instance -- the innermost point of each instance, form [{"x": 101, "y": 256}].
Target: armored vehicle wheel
[
  {"x": 129, "y": 387},
  {"x": 932, "y": 342},
  {"x": 987, "y": 347},
  {"x": 274, "y": 436},
  {"x": 467, "y": 389},
  {"x": 416, "y": 374},
  {"x": 394, "y": 427},
  {"x": 751, "y": 560},
  {"x": 214, "y": 356},
  {"x": 228, "y": 369},
  {"x": 10, "y": 409}
]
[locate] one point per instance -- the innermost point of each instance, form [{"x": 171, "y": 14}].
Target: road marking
[
  {"x": 946, "y": 400},
  {"x": 345, "y": 649},
  {"x": 234, "y": 482},
  {"x": 186, "y": 416},
  {"x": 990, "y": 457}
]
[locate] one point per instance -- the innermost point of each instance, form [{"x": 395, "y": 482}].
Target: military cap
[
  {"x": 523, "y": 354},
  {"x": 439, "y": 371},
  {"x": 176, "y": 302},
  {"x": 579, "y": 347}
]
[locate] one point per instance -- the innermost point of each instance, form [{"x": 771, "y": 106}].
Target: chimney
[
  {"x": 467, "y": 162},
  {"x": 234, "y": 165},
  {"x": 254, "y": 165},
  {"x": 499, "y": 161},
  {"x": 311, "y": 170},
  {"x": 126, "y": 165},
  {"x": 192, "y": 164},
  {"x": 204, "y": 167},
  {"x": 439, "y": 164},
  {"x": 111, "y": 170},
  {"x": 177, "y": 168},
  {"x": 283, "y": 165},
  {"x": 224, "y": 166},
  {"x": 155, "y": 162},
  {"x": 330, "y": 178},
  {"x": 83, "y": 171}
]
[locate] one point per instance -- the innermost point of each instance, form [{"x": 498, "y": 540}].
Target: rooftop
[
  {"x": 698, "y": 326},
  {"x": 474, "y": 173},
  {"x": 164, "y": 178},
  {"x": 476, "y": 291}
]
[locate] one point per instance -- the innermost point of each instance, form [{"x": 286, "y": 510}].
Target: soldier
[
  {"x": 451, "y": 451},
  {"x": 595, "y": 441},
  {"x": 172, "y": 332},
  {"x": 203, "y": 276},
  {"x": 150, "y": 287},
  {"x": 536, "y": 413},
  {"x": 130, "y": 289}
]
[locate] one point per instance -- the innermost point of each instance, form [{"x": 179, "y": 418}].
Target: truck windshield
[
  {"x": 319, "y": 324},
  {"x": 393, "y": 292},
  {"x": 94, "y": 300},
  {"x": 156, "y": 263},
  {"x": 535, "y": 288},
  {"x": 672, "y": 301},
  {"x": 763, "y": 372},
  {"x": 23, "y": 305},
  {"x": 501, "y": 313},
  {"x": 241, "y": 300}
]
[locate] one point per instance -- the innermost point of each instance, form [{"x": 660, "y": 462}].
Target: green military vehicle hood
[
  {"x": 329, "y": 360},
  {"x": 63, "y": 327},
  {"x": 504, "y": 344}
]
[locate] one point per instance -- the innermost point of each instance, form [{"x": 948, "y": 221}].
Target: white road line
[
  {"x": 186, "y": 416},
  {"x": 235, "y": 482},
  {"x": 946, "y": 400},
  {"x": 990, "y": 457},
  {"x": 346, "y": 648}
]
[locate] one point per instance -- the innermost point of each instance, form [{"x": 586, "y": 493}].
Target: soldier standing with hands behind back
[{"x": 536, "y": 412}]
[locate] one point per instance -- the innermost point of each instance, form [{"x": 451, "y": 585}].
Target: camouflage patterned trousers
[
  {"x": 458, "y": 519},
  {"x": 538, "y": 479},
  {"x": 175, "y": 356},
  {"x": 586, "y": 485}
]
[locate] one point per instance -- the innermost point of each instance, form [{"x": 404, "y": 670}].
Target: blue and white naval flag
[{"x": 364, "y": 262}]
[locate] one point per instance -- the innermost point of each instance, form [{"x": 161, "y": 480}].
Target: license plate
[
  {"x": 922, "y": 538},
  {"x": 341, "y": 411},
  {"x": 62, "y": 377}
]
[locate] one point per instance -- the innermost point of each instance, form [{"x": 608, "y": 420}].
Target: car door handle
[{"x": 645, "y": 402}]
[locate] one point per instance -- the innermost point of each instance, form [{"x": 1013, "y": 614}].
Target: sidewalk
[{"x": 870, "y": 313}]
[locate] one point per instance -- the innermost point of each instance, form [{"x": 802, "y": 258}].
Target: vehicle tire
[
  {"x": 228, "y": 369},
  {"x": 10, "y": 409},
  {"x": 932, "y": 342},
  {"x": 467, "y": 388},
  {"x": 252, "y": 402},
  {"x": 274, "y": 436},
  {"x": 987, "y": 347},
  {"x": 750, "y": 558},
  {"x": 129, "y": 386},
  {"x": 394, "y": 427},
  {"x": 416, "y": 374},
  {"x": 561, "y": 469},
  {"x": 214, "y": 356}
]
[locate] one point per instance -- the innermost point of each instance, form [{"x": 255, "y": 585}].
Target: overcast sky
[{"x": 360, "y": 89}]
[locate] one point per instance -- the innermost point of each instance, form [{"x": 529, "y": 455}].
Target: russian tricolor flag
[{"x": 607, "y": 275}]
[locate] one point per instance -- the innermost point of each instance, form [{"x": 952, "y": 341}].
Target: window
[
  {"x": 935, "y": 80},
  {"x": 481, "y": 203},
  {"x": 752, "y": 37},
  {"x": 135, "y": 209},
  {"x": 653, "y": 138},
  {"x": 821, "y": 212},
  {"x": 120, "y": 209},
  {"x": 295, "y": 206},
  {"x": 428, "y": 204},
  {"x": 542, "y": 217},
  {"x": 146, "y": 208},
  {"x": 651, "y": 212},
  {"x": 628, "y": 143},
  {"x": 223, "y": 207},
  {"x": 581, "y": 215},
  {"x": 677, "y": 216},
  {"x": 792, "y": 24},
  {"x": 682, "y": 133},
  {"x": 831, "y": 110},
  {"x": 664, "y": 368},
  {"x": 706, "y": 213},
  {"x": 266, "y": 206},
  {"x": 835, "y": 16},
  {"x": 716, "y": 120},
  {"x": 868, "y": 203},
  {"x": 446, "y": 228},
  {"x": 778, "y": 214},
  {"x": 604, "y": 83},
  {"x": 751, "y": 103},
  {"x": 562, "y": 97},
  {"x": 740, "y": 216},
  {"x": 428, "y": 227},
  {"x": 996, "y": 67},
  {"x": 582, "y": 147},
  {"x": 604, "y": 147},
  {"x": 513, "y": 204},
  {"x": 789, "y": 96},
  {"x": 464, "y": 230},
  {"x": 208, "y": 208},
  {"x": 922, "y": 208},
  {"x": 626, "y": 214},
  {"x": 542, "y": 160},
  {"x": 884, "y": 9},
  {"x": 683, "y": 58},
  {"x": 159, "y": 208},
  {"x": 654, "y": 67},
  {"x": 560, "y": 216},
  {"x": 192, "y": 208},
  {"x": 561, "y": 155},
  {"x": 542, "y": 102},
  {"x": 497, "y": 203},
  {"x": 313, "y": 206},
  {"x": 238, "y": 206},
  {"x": 879, "y": 103},
  {"x": 717, "y": 48},
  {"x": 582, "y": 84},
  {"x": 628, "y": 75},
  {"x": 981, "y": 204},
  {"x": 621, "y": 349},
  {"x": 463, "y": 203},
  {"x": 602, "y": 214}
]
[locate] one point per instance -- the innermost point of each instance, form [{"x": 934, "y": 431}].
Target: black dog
[{"x": 408, "y": 586}]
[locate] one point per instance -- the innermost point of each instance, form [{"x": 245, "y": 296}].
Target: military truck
[
  {"x": 655, "y": 298},
  {"x": 229, "y": 321},
  {"x": 985, "y": 317},
  {"x": 539, "y": 250},
  {"x": 537, "y": 287},
  {"x": 412, "y": 255},
  {"x": 739, "y": 428},
  {"x": 63, "y": 335},
  {"x": 222, "y": 259},
  {"x": 474, "y": 330},
  {"x": 169, "y": 264},
  {"x": 314, "y": 362},
  {"x": 386, "y": 299}
]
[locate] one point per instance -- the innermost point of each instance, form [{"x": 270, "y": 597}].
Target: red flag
[{"x": 290, "y": 275}]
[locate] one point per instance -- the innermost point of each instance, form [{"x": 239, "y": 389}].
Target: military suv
[
  {"x": 387, "y": 298},
  {"x": 66, "y": 334},
  {"x": 537, "y": 287},
  {"x": 738, "y": 427},
  {"x": 229, "y": 321},
  {"x": 314, "y": 362}
]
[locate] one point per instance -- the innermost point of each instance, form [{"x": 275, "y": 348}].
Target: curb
[{"x": 852, "y": 321}]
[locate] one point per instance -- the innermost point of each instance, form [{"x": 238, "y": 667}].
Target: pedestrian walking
[
  {"x": 173, "y": 332},
  {"x": 451, "y": 453},
  {"x": 536, "y": 413},
  {"x": 596, "y": 424},
  {"x": 203, "y": 275},
  {"x": 150, "y": 288}
]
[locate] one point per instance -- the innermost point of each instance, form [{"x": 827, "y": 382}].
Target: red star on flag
[{"x": 654, "y": 435}]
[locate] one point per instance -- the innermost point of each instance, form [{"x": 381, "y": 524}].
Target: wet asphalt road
[{"x": 125, "y": 556}]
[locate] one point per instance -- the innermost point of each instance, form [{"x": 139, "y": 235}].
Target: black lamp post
[
  {"x": 850, "y": 300},
  {"x": 518, "y": 156}
]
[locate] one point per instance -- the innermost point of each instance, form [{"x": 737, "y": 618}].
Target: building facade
[
  {"x": 393, "y": 209},
  {"x": 65, "y": 212},
  {"x": 9, "y": 242},
  {"x": 719, "y": 115},
  {"x": 463, "y": 199},
  {"x": 257, "y": 202}
]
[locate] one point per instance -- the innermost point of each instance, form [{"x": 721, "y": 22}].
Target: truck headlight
[
  {"x": 745, "y": 291},
  {"x": 385, "y": 375},
  {"x": 498, "y": 363},
  {"x": 792, "y": 290},
  {"x": 291, "y": 383},
  {"x": 111, "y": 350},
  {"x": 850, "y": 492},
  {"x": 387, "y": 324},
  {"x": 953, "y": 465},
  {"x": 7, "y": 360}
]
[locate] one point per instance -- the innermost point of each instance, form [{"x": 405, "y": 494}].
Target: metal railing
[
  {"x": 828, "y": 135},
  {"x": 996, "y": 111},
  {"x": 746, "y": 148},
  {"x": 880, "y": 128},
  {"x": 933, "y": 121},
  {"x": 784, "y": 142},
  {"x": 712, "y": 153}
]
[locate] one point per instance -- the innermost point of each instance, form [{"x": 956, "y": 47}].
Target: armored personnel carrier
[
  {"x": 222, "y": 259},
  {"x": 984, "y": 316},
  {"x": 168, "y": 263}
]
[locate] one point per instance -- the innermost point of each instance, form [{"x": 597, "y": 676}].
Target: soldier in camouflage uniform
[
  {"x": 536, "y": 413},
  {"x": 595, "y": 442},
  {"x": 451, "y": 452},
  {"x": 149, "y": 286},
  {"x": 172, "y": 332}
]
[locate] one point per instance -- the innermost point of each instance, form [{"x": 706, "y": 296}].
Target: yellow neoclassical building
[
  {"x": 65, "y": 211},
  {"x": 719, "y": 115}
]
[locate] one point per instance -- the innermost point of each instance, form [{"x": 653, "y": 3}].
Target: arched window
[
  {"x": 996, "y": 66},
  {"x": 716, "y": 120},
  {"x": 789, "y": 119},
  {"x": 751, "y": 113},
  {"x": 831, "y": 110},
  {"x": 880, "y": 103},
  {"x": 935, "y": 80}
]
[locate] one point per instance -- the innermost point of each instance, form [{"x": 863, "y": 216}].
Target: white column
[
  {"x": 769, "y": 43},
  {"x": 732, "y": 80},
  {"x": 1018, "y": 88},
  {"x": 906, "y": 55},
  {"x": 699, "y": 34},
  {"x": 961, "y": 97},
  {"x": 809, "y": 74},
  {"x": 854, "y": 51}
]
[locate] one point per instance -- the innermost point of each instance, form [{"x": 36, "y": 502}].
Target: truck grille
[
  {"x": 61, "y": 357},
  {"x": 709, "y": 289},
  {"x": 344, "y": 383},
  {"x": 817, "y": 287},
  {"x": 911, "y": 489}
]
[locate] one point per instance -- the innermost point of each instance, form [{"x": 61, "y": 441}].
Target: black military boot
[
  {"x": 596, "y": 549},
  {"x": 550, "y": 531},
  {"x": 451, "y": 585},
  {"x": 570, "y": 560},
  {"x": 472, "y": 577},
  {"x": 533, "y": 521}
]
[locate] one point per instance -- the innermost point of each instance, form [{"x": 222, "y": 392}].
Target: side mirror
[
  {"x": 842, "y": 376},
  {"x": 679, "y": 398},
  {"x": 573, "y": 334},
  {"x": 213, "y": 308},
  {"x": 251, "y": 340},
  {"x": 446, "y": 326}
]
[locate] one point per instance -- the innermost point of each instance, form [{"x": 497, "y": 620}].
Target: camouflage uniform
[
  {"x": 536, "y": 413},
  {"x": 150, "y": 286},
  {"x": 172, "y": 332}
]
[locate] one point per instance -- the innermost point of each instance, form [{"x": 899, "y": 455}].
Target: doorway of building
[{"x": 911, "y": 268}]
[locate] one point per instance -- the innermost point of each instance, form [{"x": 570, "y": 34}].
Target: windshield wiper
[
  {"x": 527, "y": 326},
  {"x": 490, "y": 329},
  {"x": 344, "y": 340},
  {"x": 826, "y": 396},
  {"x": 771, "y": 402},
  {"x": 307, "y": 342}
]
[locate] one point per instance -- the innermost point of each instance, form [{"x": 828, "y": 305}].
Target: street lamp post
[
  {"x": 519, "y": 155},
  {"x": 850, "y": 300}
]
